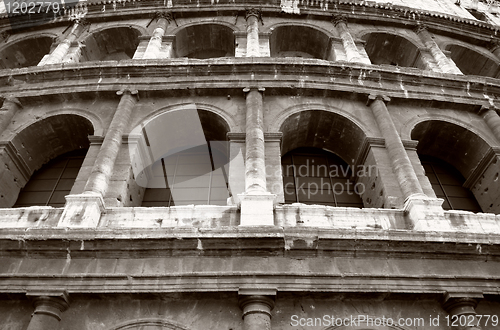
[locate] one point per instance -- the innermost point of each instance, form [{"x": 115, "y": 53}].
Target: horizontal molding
[
  {"x": 220, "y": 281},
  {"x": 234, "y": 73}
]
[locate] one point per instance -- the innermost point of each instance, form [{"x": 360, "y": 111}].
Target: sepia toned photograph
[{"x": 250, "y": 165}]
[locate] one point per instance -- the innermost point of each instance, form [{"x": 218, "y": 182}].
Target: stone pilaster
[
  {"x": 153, "y": 50},
  {"x": 351, "y": 50},
  {"x": 256, "y": 310},
  {"x": 492, "y": 120},
  {"x": 84, "y": 210},
  {"x": 425, "y": 212},
  {"x": 10, "y": 107},
  {"x": 445, "y": 64},
  {"x": 253, "y": 46},
  {"x": 461, "y": 307},
  {"x": 62, "y": 49},
  {"x": 256, "y": 202},
  {"x": 49, "y": 307},
  {"x": 75, "y": 53}
]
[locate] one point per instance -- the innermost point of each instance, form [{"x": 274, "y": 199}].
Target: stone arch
[
  {"x": 408, "y": 126},
  {"x": 37, "y": 144},
  {"x": 473, "y": 62},
  {"x": 468, "y": 153},
  {"x": 284, "y": 114},
  {"x": 205, "y": 40},
  {"x": 27, "y": 51},
  {"x": 145, "y": 323},
  {"x": 299, "y": 40},
  {"x": 111, "y": 43},
  {"x": 455, "y": 144},
  {"x": 94, "y": 119},
  {"x": 181, "y": 156},
  {"x": 389, "y": 48},
  {"x": 323, "y": 129}
]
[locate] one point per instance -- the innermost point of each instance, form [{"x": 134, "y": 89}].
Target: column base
[
  {"x": 82, "y": 211},
  {"x": 257, "y": 210},
  {"x": 426, "y": 213}
]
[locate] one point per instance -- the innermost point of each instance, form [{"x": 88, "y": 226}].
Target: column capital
[
  {"x": 256, "y": 304},
  {"x": 10, "y": 99},
  {"x": 485, "y": 109},
  {"x": 420, "y": 28},
  {"x": 337, "y": 19},
  {"x": 254, "y": 12},
  {"x": 52, "y": 303},
  {"x": 374, "y": 97},
  {"x": 127, "y": 91},
  {"x": 167, "y": 15},
  {"x": 459, "y": 306}
]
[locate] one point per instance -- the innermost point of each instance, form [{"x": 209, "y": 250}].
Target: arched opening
[
  {"x": 39, "y": 144},
  {"x": 112, "y": 44},
  {"x": 317, "y": 148},
  {"x": 447, "y": 183},
  {"x": 299, "y": 41},
  {"x": 183, "y": 157},
  {"x": 450, "y": 154},
  {"x": 50, "y": 184},
  {"x": 205, "y": 41},
  {"x": 471, "y": 62},
  {"x": 390, "y": 49},
  {"x": 24, "y": 53},
  {"x": 316, "y": 176}
]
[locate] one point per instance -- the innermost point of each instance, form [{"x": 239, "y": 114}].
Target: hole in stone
[
  {"x": 381, "y": 192},
  {"x": 131, "y": 198},
  {"x": 373, "y": 185},
  {"x": 491, "y": 205},
  {"x": 496, "y": 177},
  {"x": 486, "y": 190}
]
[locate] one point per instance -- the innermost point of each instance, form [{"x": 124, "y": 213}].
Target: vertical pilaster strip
[
  {"x": 48, "y": 310},
  {"x": 253, "y": 46},
  {"x": 351, "y": 50},
  {"x": 10, "y": 107},
  {"x": 153, "y": 49},
  {"x": 74, "y": 54},
  {"x": 62, "y": 49},
  {"x": 445, "y": 64},
  {"x": 255, "y": 166},
  {"x": 256, "y": 202},
  {"x": 493, "y": 121},
  {"x": 400, "y": 161},
  {"x": 256, "y": 311},
  {"x": 103, "y": 167}
]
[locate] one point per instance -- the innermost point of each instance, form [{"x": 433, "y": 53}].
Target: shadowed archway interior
[
  {"x": 112, "y": 44},
  {"x": 390, "y": 49},
  {"x": 28, "y": 52},
  {"x": 299, "y": 41}
]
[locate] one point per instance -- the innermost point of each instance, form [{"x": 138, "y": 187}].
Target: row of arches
[
  {"x": 318, "y": 152},
  {"x": 216, "y": 40}
]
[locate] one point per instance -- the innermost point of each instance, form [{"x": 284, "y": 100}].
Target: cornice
[
  {"x": 150, "y": 76},
  {"x": 357, "y": 10}
]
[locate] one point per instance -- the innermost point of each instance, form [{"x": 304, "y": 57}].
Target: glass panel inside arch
[
  {"x": 53, "y": 181},
  {"x": 316, "y": 176},
  {"x": 192, "y": 176}
]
